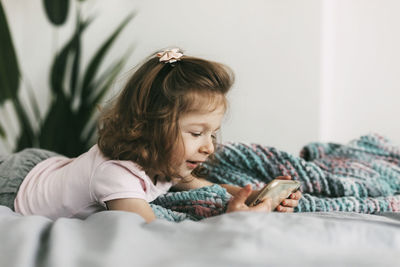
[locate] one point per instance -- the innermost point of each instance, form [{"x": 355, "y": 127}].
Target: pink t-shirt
[{"x": 78, "y": 187}]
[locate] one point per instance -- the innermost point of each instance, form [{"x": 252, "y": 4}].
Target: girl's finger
[
  {"x": 285, "y": 177},
  {"x": 290, "y": 203},
  {"x": 264, "y": 205},
  {"x": 237, "y": 202},
  {"x": 296, "y": 195},
  {"x": 242, "y": 195},
  {"x": 280, "y": 208}
]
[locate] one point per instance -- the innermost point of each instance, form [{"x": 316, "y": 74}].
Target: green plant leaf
[
  {"x": 2, "y": 132},
  {"x": 9, "y": 70},
  {"x": 106, "y": 81},
  {"x": 98, "y": 57},
  {"x": 55, "y": 125},
  {"x": 69, "y": 124},
  {"x": 33, "y": 102},
  {"x": 63, "y": 127},
  {"x": 60, "y": 63},
  {"x": 27, "y": 136},
  {"x": 103, "y": 84},
  {"x": 56, "y": 11},
  {"x": 76, "y": 60}
]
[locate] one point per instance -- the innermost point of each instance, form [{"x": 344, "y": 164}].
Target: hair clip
[{"x": 170, "y": 55}]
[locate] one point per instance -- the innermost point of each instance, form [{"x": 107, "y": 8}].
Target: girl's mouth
[{"x": 192, "y": 164}]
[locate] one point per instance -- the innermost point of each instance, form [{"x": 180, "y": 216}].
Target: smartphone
[{"x": 277, "y": 190}]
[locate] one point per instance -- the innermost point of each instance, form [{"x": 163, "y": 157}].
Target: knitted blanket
[{"x": 362, "y": 176}]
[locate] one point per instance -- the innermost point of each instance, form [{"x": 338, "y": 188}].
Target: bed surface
[{"x": 114, "y": 238}]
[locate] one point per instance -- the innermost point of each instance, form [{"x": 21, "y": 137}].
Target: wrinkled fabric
[{"x": 13, "y": 170}]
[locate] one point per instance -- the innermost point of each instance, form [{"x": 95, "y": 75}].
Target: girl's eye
[
  {"x": 214, "y": 137},
  {"x": 196, "y": 134}
]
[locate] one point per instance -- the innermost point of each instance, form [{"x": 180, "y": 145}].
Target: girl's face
[{"x": 198, "y": 130}]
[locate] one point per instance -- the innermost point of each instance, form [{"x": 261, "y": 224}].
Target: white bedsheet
[{"x": 115, "y": 238}]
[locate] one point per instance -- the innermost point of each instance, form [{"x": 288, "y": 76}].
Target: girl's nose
[{"x": 207, "y": 147}]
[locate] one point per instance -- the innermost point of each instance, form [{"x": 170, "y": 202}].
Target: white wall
[
  {"x": 300, "y": 66},
  {"x": 362, "y": 68}
]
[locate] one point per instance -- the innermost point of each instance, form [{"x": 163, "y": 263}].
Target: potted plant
[{"x": 68, "y": 126}]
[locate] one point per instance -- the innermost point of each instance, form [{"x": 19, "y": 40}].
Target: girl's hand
[
  {"x": 291, "y": 202},
  {"x": 237, "y": 203}
]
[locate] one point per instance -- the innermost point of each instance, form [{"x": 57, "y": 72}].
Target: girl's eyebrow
[{"x": 204, "y": 125}]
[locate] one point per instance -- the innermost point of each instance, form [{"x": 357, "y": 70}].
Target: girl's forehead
[
  {"x": 205, "y": 103},
  {"x": 209, "y": 117}
]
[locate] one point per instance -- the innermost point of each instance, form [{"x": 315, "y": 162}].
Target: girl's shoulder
[
  {"x": 107, "y": 163},
  {"x": 122, "y": 179}
]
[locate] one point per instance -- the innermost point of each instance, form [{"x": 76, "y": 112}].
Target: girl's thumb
[{"x": 243, "y": 193}]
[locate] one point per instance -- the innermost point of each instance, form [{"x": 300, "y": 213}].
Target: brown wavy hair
[{"x": 141, "y": 124}]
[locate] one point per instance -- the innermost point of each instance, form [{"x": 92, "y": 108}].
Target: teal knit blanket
[{"x": 362, "y": 176}]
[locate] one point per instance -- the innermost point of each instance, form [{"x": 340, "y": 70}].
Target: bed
[
  {"x": 233, "y": 239},
  {"x": 348, "y": 216}
]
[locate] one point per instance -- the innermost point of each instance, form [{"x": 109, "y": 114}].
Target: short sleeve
[{"x": 111, "y": 181}]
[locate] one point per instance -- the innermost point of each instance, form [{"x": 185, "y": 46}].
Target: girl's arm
[
  {"x": 287, "y": 205},
  {"x": 141, "y": 207},
  {"x": 193, "y": 183},
  {"x": 136, "y": 205}
]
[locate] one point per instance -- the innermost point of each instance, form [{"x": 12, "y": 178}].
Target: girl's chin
[
  {"x": 185, "y": 174},
  {"x": 185, "y": 170}
]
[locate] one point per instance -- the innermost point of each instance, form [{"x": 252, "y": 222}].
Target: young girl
[{"x": 162, "y": 126}]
